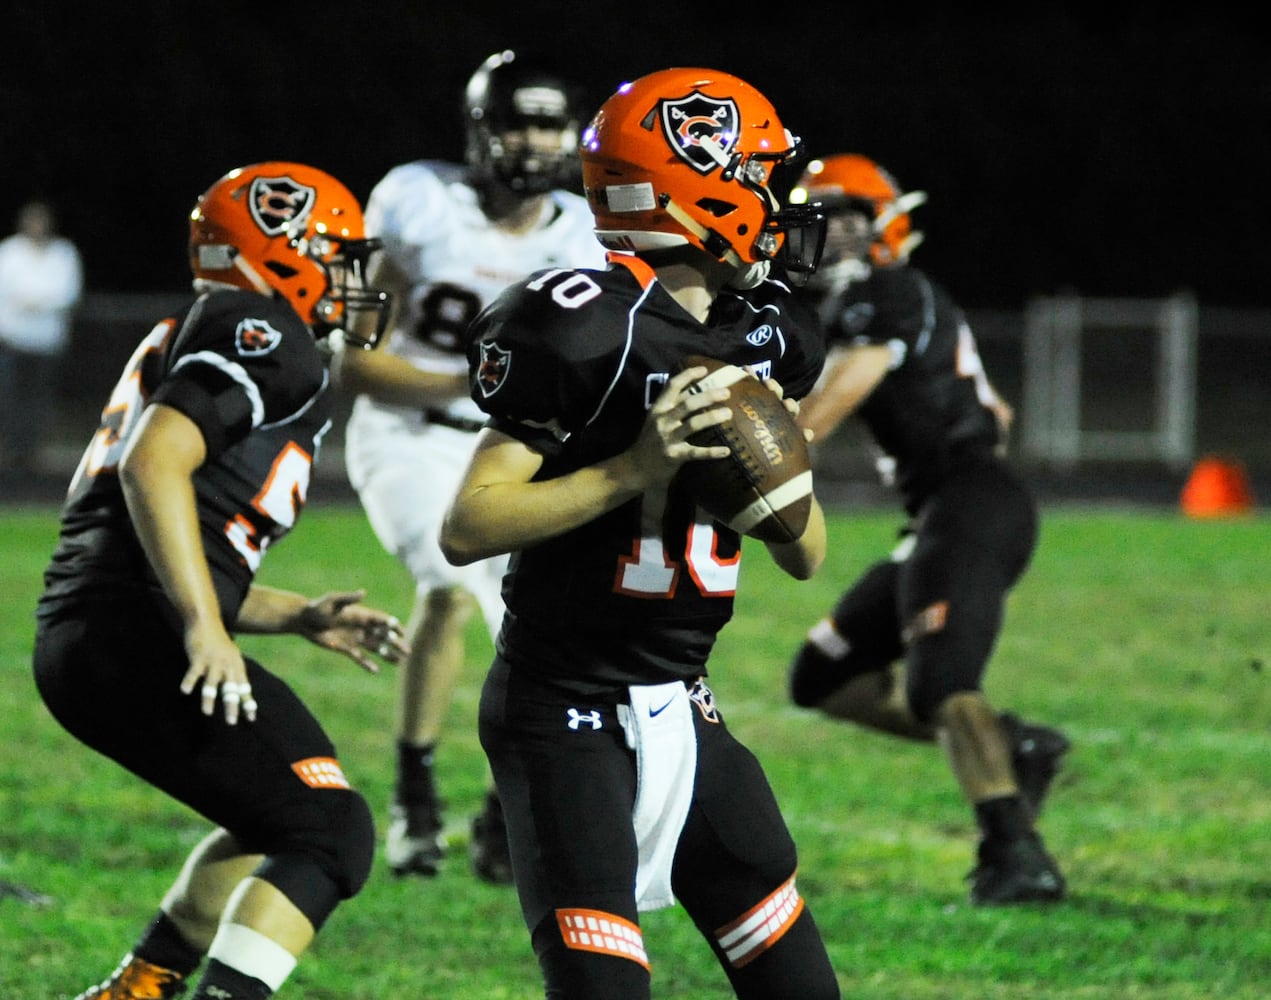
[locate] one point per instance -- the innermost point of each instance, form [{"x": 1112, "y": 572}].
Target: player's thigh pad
[
  {"x": 567, "y": 782},
  {"x": 735, "y": 847}
]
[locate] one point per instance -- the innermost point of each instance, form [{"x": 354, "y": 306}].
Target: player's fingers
[
  {"x": 702, "y": 419},
  {"x": 231, "y": 702},
  {"x": 235, "y": 696},
  {"x": 691, "y": 402},
  {"x": 675, "y": 389},
  {"x": 338, "y": 602},
  {"x": 237, "y": 699},
  {"x": 207, "y": 698}
]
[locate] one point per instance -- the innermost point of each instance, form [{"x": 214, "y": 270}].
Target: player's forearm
[
  {"x": 162, "y": 507},
  {"x": 802, "y": 558},
  {"x": 390, "y": 379},
  {"x": 850, "y": 376},
  {"x": 491, "y": 519},
  {"x": 270, "y": 611}
]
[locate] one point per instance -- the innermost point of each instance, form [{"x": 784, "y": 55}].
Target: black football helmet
[{"x": 507, "y": 95}]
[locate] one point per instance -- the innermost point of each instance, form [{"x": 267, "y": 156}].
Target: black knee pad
[
  {"x": 812, "y": 676},
  {"x": 925, "y": 700},
  {"x": 321, "y": 868},
  {"x": 865, "y": 638},
  {"x": 950, "y": 652}
]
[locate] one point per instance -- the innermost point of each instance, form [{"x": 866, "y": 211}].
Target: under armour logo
[{"x": 576, "y": 718}]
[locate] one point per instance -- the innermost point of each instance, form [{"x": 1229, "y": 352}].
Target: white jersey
[
  {"x": 456, "y": 260},
  {"x": 404, "y": 464}
]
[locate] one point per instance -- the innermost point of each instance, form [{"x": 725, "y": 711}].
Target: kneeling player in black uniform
[
  {"x": 201, "y": 461},
  {"x": 903, "y": 357},
  {"x": 623, "y": 788}
]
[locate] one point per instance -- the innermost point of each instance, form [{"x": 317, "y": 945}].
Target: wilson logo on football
[
  {"x": 255, "y": 337},
  {"x": 688, "y": 121}
]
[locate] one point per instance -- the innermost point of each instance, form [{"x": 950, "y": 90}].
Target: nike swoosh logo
[{"x": 655, "y": 712}]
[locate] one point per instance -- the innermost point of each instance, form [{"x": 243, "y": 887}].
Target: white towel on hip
[{"x": 659, "y": 727}]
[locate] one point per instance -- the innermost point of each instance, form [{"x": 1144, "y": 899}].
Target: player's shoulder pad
[
  {"x": 409, "y": 193},
  {"x": 562, "y": 304},
  {"x": 247, "y": 329},
  {"x": 543, "y": 333}
]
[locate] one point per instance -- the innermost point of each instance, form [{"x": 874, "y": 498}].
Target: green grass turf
[{"x": 1144, "y": 635}]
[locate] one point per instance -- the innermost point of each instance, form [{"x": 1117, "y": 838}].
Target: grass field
[{"x": 1145, "y": 635}]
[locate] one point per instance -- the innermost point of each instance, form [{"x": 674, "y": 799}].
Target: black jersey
[
  {"x": 247, "y": 371},
  {"x": 569, "y": 362},
  {"x": 931, "y": 413}
]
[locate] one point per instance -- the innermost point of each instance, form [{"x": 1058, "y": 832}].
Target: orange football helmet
[
  {"x": 685, "y": 157},
  {"x": 295, "y": 231},
  {"x": 847, "y": 181}
]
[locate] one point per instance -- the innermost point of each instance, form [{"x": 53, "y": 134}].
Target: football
[{"x": 764, "y": 488}]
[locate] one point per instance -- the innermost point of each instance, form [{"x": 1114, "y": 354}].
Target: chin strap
[
  {"x": 249, "y": 272},
  {"x": 747, "y": 275},
  {"x": 751, "y": 275}
]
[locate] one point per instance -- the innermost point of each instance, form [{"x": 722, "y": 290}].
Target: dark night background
[{"x": 1124, "y": 153}]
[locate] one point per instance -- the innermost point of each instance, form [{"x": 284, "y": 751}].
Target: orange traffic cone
[{"x": 1217, "y": 487}]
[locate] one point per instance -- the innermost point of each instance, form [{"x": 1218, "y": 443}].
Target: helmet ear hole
[{"x": 716, "y": 207}]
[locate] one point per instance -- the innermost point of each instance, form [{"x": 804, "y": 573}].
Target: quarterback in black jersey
[
  {"x": 202, "y": 460},
  {"x": 623, "y": 789},
  {"x": 903, "y": 358}
]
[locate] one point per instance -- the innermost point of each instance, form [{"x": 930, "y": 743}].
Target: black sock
[
  {"x": 414, "y": 771},
  {"x": 1003, "y": 819},
  {"x": 163, "y": 945},
  {"x": 220, "y": 982}
]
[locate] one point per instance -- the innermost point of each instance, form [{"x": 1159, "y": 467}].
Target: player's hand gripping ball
[{"x": 764, "y": 488}]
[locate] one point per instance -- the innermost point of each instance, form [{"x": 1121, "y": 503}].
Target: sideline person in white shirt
[{"x": 41, "y": 280}]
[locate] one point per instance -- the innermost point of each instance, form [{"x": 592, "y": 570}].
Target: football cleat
[
  {"x": 137, "y": 979},
  {"x": 488, "y": 850},
  {"x": 414, "y": 844},
  {"x": 1036, "y": 752},
  {"x": 1016, "y": 871}
]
